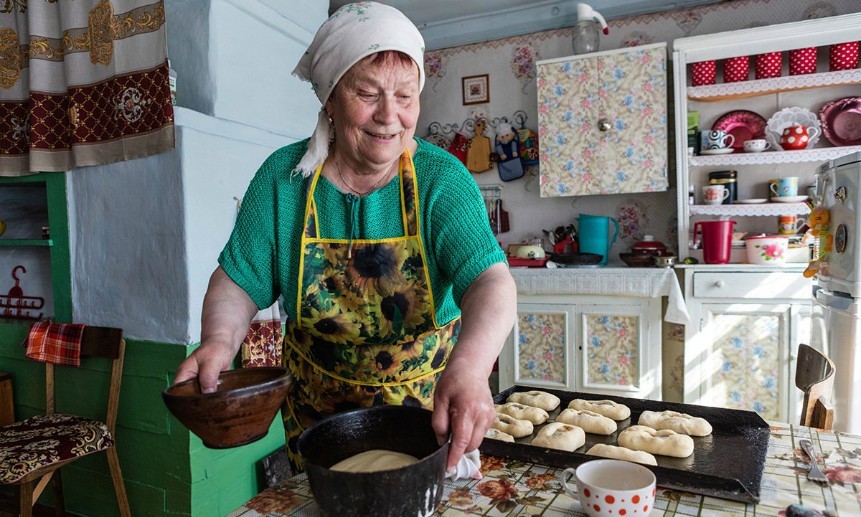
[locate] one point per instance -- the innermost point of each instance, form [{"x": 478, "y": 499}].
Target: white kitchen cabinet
[
  {"x": 764, "y": 97},
  {"x": 741, "y": 345},
  {"x": 602, "y": 121},
  {"x": 593, "y": 344}
]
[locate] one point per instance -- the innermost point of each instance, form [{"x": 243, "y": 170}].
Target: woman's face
[{"x": 375, "y": 107}]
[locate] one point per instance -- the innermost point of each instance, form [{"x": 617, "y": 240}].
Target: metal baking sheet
[{"x": 727, "y": 464}]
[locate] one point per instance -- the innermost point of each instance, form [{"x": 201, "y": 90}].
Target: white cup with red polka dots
[{"x": 612, "y": 488}]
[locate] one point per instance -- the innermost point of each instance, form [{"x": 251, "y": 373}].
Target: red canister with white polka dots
[
  {"x": 736, "y": 69},
  {"x": 703, "y": 73},
  {"x": 802, "y": 61},
  {"x": 768, "y": 65},
  {"x": 843, "y": 56}
]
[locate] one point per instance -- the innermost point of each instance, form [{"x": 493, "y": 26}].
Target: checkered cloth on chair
[
  {"x": 57, "y": 343},
  {"x": 45, "y": 440}
]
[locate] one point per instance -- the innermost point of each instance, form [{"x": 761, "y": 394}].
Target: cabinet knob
[
  {"x": 720, "y": 283},
  {"x": 604, "y": 124}
]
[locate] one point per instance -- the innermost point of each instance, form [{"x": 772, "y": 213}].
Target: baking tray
[{"x": 727, "y": 464}]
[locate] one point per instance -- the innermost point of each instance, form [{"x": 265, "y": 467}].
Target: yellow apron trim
[
  {"x": 360, "y": 241},
  {"x": 419, "y": 237},
  {"x": 308, "y": 203},
  {"x": 358, "y": 383}
]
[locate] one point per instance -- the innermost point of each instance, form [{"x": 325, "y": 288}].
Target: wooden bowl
[
  {"x": 637, "y": 259},
  {"x": 239, "y": 412},
  {"x": 411, "y": 490}
]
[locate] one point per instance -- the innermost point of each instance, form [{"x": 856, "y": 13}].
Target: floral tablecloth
[{"x": 515, "y": 488}]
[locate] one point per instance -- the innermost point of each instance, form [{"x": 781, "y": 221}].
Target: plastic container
[
  {"x": 649, "y": 246},
  {"x": 716, "y": 240},
  {"x": 595, "y": 234},
  {"x": 728, "y": 180},
  {"x": 767, "y": 249},
  {"x": 585, "y": 39}
]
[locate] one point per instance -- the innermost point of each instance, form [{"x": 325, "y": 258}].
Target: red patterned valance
[{"x": 84, "y": 95}]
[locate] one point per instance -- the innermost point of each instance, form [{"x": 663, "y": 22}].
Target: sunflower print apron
[{"x": 365, "y": 332}]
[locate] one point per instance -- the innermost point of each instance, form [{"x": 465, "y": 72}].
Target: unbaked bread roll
[
  {"x": 513, "y": 426},
  {"x": 557, "y": 435},
  {"x": 621, "y": 453},
  {"x": 681, "y": 423},
  {"x": 607, "y": 408},
  {"x": 589, "y": 421},
  {"x": 535, "y": 398},
  {"x": 496, "y": 434},
  {"x": 374, "y": 460},
  {"x": 665, "y": 442},
  {"x": 536, "y": 415}
]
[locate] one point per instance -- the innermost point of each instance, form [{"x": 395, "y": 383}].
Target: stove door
[{"x": 841, "y": 195}]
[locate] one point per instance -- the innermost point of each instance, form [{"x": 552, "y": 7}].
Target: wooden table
[{"x": 515, "y": 488}]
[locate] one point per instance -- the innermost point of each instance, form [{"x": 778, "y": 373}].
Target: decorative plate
[
  {"x": 742, "y": 125},
  {"x": 793, "y": 116},
  {"x": 841, "y": 121},
  {"x": 727, "y": 150},
  {"x": 789, "y": 199}
]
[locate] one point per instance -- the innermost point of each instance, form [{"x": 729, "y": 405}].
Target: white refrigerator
[{"x": 839, "y": 280}]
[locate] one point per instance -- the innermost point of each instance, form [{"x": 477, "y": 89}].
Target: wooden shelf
[
  {"x": 751, "y": 210},
  {"x": 27, "y": 242},
  {"x": 744, "y": 89},
  {"x": 822, "y": 154}
]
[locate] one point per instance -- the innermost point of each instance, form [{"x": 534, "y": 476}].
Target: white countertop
[{"x": 606, "y": 281}]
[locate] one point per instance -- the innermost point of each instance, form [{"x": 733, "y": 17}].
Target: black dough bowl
[{"x": 412, "y": 490}]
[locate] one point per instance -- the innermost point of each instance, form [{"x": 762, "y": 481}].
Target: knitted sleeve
[
  {"x": 460, "y": 238},
  {"x": 249, "y": 258}
]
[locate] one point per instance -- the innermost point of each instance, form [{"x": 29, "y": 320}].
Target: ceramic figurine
[{"x": 508, "y": 147}]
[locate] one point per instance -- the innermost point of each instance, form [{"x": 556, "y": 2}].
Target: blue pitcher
[{"x": 594, "y": 235}]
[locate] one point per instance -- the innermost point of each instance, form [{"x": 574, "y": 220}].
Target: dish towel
[
  {"x": 56, "y": 343},
  {"x": 262, "y": 343},
  {"x": 469, "y": 466}
]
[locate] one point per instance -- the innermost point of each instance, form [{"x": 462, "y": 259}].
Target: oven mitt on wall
[
  {"x": 528, "y": 146},
  {"x": 508, "y": 148},
  {"x": 458, "y": 147}
]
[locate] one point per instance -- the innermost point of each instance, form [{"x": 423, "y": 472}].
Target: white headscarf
[{"x": 353, "y": 32}]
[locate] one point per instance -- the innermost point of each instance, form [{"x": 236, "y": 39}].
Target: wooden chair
[
  {"x": 814, "y": 375},
  {"x": 33, "y": 450}
]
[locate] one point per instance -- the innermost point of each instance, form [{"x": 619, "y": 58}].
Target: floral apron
[{"x": 365, "y": 332}]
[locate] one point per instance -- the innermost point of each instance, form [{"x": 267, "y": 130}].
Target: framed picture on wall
[{"x": 476, "y": 89}]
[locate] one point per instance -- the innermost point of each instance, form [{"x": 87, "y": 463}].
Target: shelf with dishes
[
  {"x": 803, "y": 155},
  {"x": 758, "y": 208},
  {"x": 743, "y": 89}
]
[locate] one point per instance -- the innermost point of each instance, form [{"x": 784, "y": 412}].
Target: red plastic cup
[
  {"x": 736, "y": 69},
  {"x": 703, "y": 73},
  {"x": 843, "y": 56},
  {"x": 768, "y": 65},
  {"x": 802, "y": 61},
  {"x": 716, "y": 239}
]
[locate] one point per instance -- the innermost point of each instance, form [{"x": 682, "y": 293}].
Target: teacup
[
  {"x": 719, "y": 139},
  {"x": 612, "y": 487},
  {"x": 714, "y": 194},
  {"x": 785, "y": 187},
  {"x": 797, "y": 137},
  {"x": 756, "y": 145}
]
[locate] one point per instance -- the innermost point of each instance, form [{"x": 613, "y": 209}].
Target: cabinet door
[
  {"x": 602, "y": 122},
  {"x": 539, "y": 351},
  {"x": 743, "y": 351},
  {"x": 619, "y": 351}
]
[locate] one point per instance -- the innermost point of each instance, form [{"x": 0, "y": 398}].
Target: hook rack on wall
[{"x": 518, "y": 119}]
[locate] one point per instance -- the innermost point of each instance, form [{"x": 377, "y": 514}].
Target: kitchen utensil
[
  {"x": 716, "y": 240},
  {"x": 841, "y": 121},
  {"x": 756, "y": 145},
  {"x": 767, "y": 249},
  {"x": 802, "y": 61},
  {"x": 714, "y": 194},
  {"x": 411, "y": 490},
  {"x": 768, "y": 65},
  {"x": 649, "y": 246},
  {"x": 736, "y": 69},
  {"x": 743, "y": 125},
  {"x": 728, "y": 464},
  {"x": 577, "y": 259},
  {"x": 529, "y": 252},
  {"x": 789, "y": 224},
  {"x": 785, "y": 187},
  {"x": 797, "y": 137},
  {"x": 637, "y": 259},
  {"x": 239, "y": 412},
  {"x": 791, "y": 116},
  {"x": 594, "y": 234},
  {"x": 843, "y": 56},
  {"x": 789, "y": 199},
  {"x": 703, "y": 73},
  {"x": 612, "y": 487},
  {"x": 753, "y": 201},
  {"x": 814, "y": 474},
  {"x": 729, "y": 181},
  {"x": 711, "y": 152},
  {"x": 718, "y": 139},
  {"x": 664, "y": 260}
]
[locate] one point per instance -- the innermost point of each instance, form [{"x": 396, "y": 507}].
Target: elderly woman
[{"x": 395, "y": 287}]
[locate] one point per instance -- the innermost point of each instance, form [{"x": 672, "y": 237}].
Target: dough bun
[
  {"x": 535, "y": 398},
  {"x": 374, "y": 460},
  {"x": 535, "y": 415},
  {"x": 589, "y": 421},
  {"x": 665, "y": 442},
  {"x": 607, "y": 408},
  {"x": 681, "y": 423},
  {"x": 557, "y": 435},
  {"x": 621, "y": 453},
  {"x": 513, "y": 426},
  {"x": 496, "y": 434}
]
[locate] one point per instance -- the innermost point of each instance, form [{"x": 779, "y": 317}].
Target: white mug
[
  {"x": 757, "y": 145},
  {"x": 714, "y": 194}
]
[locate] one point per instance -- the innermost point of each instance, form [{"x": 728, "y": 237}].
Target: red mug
[
  {"x": 736, "y": 69},
  {"x": 768, "y": 65},
  {"x": 843, "y": 56},
  {"x": 703, "y": 73},
  {"x": 797, "y": 137},
  {"x": 802, "y": 61}
]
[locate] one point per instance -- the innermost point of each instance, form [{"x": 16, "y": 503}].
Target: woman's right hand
[{"x": 206, "y": 363}]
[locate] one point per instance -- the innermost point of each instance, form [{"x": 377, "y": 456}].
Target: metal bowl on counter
[{"x": 414, "y": 489}]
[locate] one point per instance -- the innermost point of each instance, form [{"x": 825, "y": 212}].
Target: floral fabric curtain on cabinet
[
  {"x": 82, "y": 82},
  {"x": 603, "y": 122}
]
